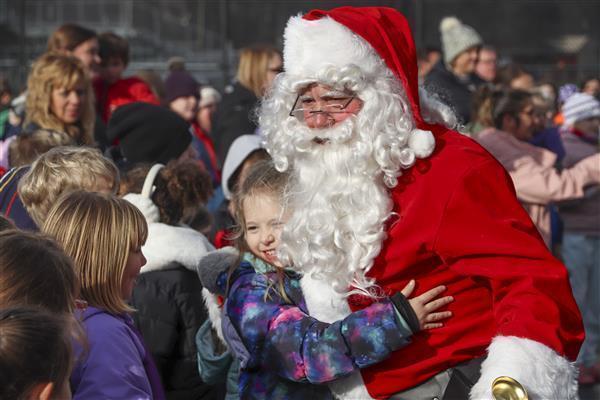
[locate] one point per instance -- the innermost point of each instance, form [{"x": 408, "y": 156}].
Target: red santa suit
[{"x": 458, "y": 224}]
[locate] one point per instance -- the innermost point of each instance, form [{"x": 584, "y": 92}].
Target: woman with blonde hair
[
  {"x": 104, "y": 235},
  {"x": 60, "y": 98},
  {"x": 257, "y": 69}
]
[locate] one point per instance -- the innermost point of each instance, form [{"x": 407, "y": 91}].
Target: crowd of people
[{"x": 350, "y": 218}]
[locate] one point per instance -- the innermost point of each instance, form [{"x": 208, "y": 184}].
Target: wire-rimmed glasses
[{"x": 307, "y": 107}]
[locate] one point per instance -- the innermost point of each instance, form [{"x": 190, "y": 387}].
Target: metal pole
[
  {"x": 23, "y": 67},
  {"x": 224, "y": 14},
  {"x": 419, "y": 28}
]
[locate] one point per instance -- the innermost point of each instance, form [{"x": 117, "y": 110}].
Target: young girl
[
  {"x": 285, "y": 353},
  {"x": 35, "y": 272},
  {"x": 168, "y": 294},
  {"x": 104, "y": 235},
  {"x": 35, "y": 354}
]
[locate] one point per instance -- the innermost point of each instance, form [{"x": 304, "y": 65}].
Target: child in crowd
[
  {"x": 112, "y": 90},
  {"x": 581, "y": 243},
  {"x": 104, "y": 235},
  {"x": 36, "y": 272},
  {"x": 244, "y": 152},
  {"x": 182, "y": 95},
  {"x": 27, "y": 193},
  {"x": 35, "y": 354},
  {"x": 283, "y": 352},
  {"x": 167, "y": 295}
]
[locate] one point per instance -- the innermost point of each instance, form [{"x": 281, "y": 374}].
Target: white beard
[
  {"x": 336, "y": 230},
  {"x": 339, "y": 205}
]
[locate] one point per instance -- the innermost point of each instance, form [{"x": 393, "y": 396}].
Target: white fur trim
[
  {"x": 145, "y": 205},
  {"x": 421, "y": 142},
  {"x": 167, "y": 244},
  {"x": 311, "y": 46},
  {"x": 326, "y": 305},
  {"x": 214, "y": 313},
  {"x": 542, "y": 371}
]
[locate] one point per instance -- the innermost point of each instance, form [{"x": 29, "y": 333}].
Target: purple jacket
[{"x": 116, "y": 364}]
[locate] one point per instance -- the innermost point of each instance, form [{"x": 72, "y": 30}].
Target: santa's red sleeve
[{"x": 486, "y": 235}]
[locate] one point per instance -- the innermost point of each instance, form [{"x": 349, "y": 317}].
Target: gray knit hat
[{"x": 457, "y": 37}]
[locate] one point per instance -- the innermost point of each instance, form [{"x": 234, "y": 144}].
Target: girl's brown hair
[
  {"x": 68, "y": 36},
  {"x": 35, "y": 271},
  {"x": 263, "y": 179},
  {"x": 35, "y": 348},
  {"x": 59, "y": 71},
  {"x": 98, "y": 232},
  {"x": 181, "y": 189},
  {"x": 253, "y": 67}
]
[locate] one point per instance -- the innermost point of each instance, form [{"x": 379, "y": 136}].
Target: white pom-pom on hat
[
  {"x": 421, "y": 142},
  {"x": 449, "y": 23}
]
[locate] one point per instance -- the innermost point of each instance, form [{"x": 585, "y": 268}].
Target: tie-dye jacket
[{"x": 292, "y": 355}]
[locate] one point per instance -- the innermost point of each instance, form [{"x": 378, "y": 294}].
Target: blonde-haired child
[
  {"x": 62, "y": 170},
  {"x": 104, "y": 235}
]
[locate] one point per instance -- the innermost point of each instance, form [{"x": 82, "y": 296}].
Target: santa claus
[{"x": 382, "y": 193}]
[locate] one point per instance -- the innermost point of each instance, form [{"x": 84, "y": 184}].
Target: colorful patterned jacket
[{"x": 291, "y": 355}]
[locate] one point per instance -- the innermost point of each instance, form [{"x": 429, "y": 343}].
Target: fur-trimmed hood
[{"x": 166, "y": 243}]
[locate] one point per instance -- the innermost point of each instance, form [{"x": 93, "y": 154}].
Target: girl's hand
[{"x": 426, "y": 304}]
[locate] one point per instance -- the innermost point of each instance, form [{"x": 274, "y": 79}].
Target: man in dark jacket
[{"x": 453, "y": 78}]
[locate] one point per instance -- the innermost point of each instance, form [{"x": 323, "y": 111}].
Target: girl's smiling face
[{"x": 264, "y": 221}]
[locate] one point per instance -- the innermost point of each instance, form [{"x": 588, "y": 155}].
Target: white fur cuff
[{"x": 544, "y": 373}]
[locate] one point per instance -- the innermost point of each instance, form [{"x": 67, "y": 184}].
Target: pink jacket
[{"x": 536, "y": 180}]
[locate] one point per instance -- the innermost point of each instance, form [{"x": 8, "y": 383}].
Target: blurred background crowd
[{"x": 93, "y": 94}]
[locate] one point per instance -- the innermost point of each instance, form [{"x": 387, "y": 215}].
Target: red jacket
[
  {"x": 459, "y": 224},
  {"x": 123, "y": 91}
]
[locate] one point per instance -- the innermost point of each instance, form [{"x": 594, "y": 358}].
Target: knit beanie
[
  {"x": 580, "y": 106},
  {"x": 148, "y": 133},
  {"x": 180, "y": 84},
  {"x": 456, "y": 38}
]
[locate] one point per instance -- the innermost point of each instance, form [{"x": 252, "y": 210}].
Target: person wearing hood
[
  {"x": 243, "y": 153},
  {"x": 453, "y": 78},
  {"x": 168, "y": 293}
]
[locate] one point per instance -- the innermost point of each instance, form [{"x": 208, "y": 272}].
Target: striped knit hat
[{"x": 580, "y": 106}]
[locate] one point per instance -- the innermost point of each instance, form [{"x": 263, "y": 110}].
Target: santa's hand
[{"x": 425, "y": 305}]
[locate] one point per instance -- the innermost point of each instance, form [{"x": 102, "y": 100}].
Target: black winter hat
[
  {"x": 180, "y": 84},
  {"x": 148, "y": 133}
]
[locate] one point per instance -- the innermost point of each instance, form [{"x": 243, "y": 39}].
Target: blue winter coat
[{"x": 291, "y": 355}]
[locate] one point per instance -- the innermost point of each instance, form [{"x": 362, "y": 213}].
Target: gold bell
[{"x": 507, "y": 388}]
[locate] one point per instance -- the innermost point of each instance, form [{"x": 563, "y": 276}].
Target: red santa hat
[{"x": 364, "y": 37}]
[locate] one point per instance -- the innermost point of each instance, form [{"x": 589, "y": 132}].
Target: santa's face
[{"x": 322, "y": 107}]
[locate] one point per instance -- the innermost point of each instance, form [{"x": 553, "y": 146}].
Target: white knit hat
[
  {"x": 239, "y": 150},
  {"x": 580, "y": 106},
  {"x": 457, "y": 37}
]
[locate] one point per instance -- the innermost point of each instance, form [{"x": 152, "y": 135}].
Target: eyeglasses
[{"x": 308, "y": 107}]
